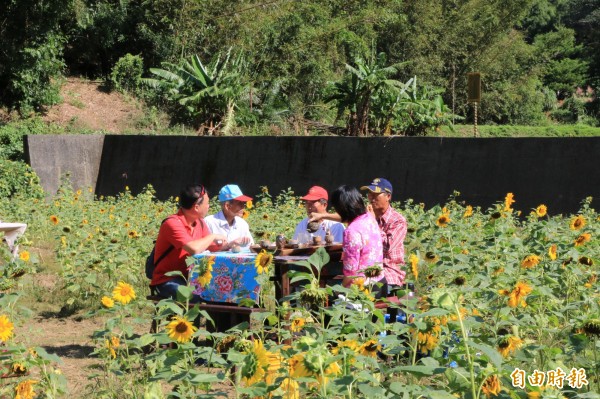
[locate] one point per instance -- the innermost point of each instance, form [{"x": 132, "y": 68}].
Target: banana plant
[{"x": 207, "y": 92}]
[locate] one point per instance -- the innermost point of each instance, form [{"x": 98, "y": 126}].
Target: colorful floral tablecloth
[{"x": 233, "y": 278}]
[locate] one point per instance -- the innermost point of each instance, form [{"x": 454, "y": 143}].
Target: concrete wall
[
  {"x": 52, "y": 156},
  {"x": 559, "y": 172}
]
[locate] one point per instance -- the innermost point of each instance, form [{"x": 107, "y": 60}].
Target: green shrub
[
  {"x": 127, "y": 72},
  {"x": 36, "y": 75},
  {"x": 18, "y": 179}
]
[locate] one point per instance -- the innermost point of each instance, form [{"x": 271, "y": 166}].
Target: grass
[{"x": 486, "y": 131}]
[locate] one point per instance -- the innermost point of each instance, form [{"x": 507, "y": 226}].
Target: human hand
[
  {"x": 220, "y": 241},
  {"x": 315, "y": 217},
  {"x": 242, "y": 241},
  {"x": 370, "y": 210}
]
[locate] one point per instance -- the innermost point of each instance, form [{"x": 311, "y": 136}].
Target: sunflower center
[{"x": 181, "y": 327}]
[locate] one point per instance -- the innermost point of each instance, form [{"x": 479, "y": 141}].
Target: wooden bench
[{"x": 224, "y": 315}]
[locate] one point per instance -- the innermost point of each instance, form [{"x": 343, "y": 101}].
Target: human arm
[
  {"x": 202, "y": 244},
  {"x": 351, "y": 256},
  {"x": 393, "y": 240},
  {"x": 317, "y": 217}
]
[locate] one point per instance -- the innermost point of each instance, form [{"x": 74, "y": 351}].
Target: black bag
[{"x": 150, "y": 264}]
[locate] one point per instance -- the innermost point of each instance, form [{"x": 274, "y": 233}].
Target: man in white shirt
[
  {"x": 316, "y": 202},
  {"x": 229, "y": 221}
]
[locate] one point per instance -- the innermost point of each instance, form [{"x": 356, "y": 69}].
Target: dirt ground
[
  {"x": 89, "y": 105},
  {"x": 69, "y": 338}
]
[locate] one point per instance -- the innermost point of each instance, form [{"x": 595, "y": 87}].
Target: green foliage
[
  {"x": 521, "y": 131},
  {"x": 11, "y": 136},
  {"x": 207, "y": 93},
  {"x": 127, "y": 73},
  {"x": 18, "y": 179},
  {"x": 36, "y": 75}
]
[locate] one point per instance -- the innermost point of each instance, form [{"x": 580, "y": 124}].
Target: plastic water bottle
[{"x": 401, "y": 317}]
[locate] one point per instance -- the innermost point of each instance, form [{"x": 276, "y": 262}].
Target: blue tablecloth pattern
[{"x": 233, "y": 278}]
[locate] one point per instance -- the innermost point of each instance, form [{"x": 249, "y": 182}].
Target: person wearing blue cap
[
  {"x": 393, "y": 228},
  {"x": 229, "y": 221}
]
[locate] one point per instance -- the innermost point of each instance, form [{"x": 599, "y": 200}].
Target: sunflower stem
[{"x": 468, "y": 352}]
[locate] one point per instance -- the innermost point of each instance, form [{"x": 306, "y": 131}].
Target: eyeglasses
[{"x": 201, "y": 196}]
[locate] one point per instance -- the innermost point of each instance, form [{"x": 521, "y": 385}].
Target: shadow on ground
[{"x": 73, "y": 351}]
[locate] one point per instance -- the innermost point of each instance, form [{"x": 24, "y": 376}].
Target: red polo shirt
[{"x": 176, "y": 232}]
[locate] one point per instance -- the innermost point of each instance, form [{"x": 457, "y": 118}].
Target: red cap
[{"x": 316, "y": 193}]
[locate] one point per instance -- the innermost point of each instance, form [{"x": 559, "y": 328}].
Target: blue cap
[
  {"x": 232, "y": 192},
  {"x": 379, "y": 185}
]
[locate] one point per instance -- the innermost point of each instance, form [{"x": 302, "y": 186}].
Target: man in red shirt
[
  {"x": 393, "y": 231},
  {"x": 181, "y": 235}
]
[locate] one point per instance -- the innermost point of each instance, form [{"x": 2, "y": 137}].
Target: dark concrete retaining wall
[
  {"x": 52, "y": 156},
  {"x": 559, "y": 172}
]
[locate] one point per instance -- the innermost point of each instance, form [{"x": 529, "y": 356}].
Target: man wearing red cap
[
  {"x": 229, "y": 221},
  {"x": 315, "y": 201}
]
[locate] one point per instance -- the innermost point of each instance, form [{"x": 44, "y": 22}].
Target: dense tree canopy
[{"x": 531, "y": 53}]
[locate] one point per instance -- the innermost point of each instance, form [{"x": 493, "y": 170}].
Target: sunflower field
[{"x": 506, "y": 305}]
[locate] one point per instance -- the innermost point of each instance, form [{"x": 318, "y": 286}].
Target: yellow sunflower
[
  {"x": 290, "y": 388},
  {"x": 6, "y": 328},
  {"x": 552, "y": 252},
  {"x": 518, "y": 294},
  {"x": 180, "y": 329},
  {"x": 253, "y": 369},
  {"x": 584, "y": 260},
  {"x": 123, "y": 293},
  {"x": 309, "y": 364},
  {"x": 24, "y": 256},
  {"x": 541, "y": 211},
  {"x": 582, "y": 239},
  {"x": 508, "y": 345},
  {"x": 25, "y": 390},
  {"x": 54, "y": 219},
  {"x": 491, "y": 386},
  {"x": 370, "y": 348},
  {"x": 245, "y": 214},
  {"x": 443, "y": 220},
  {"x": 19, "y": 368},
  {"x": 133, "y": 234},
  {"x": 297, "y": 324},
  {"x": 508, "y": 201},
  {"x": 263, "y": 262},
  {"x": 530, "y": 261},
  {"x": 468, "y": 211},
  {"x": 107, "y": 302},
  {"x": 249, "y": 204},
  {"x": 206, "y": 277},
  {"x": 349, "y": 343},
  {"x": 577, "y": 223},
  {"x": 414, "y": 265}
]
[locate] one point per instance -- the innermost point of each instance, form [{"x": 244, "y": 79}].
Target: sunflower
[
  {"x": 54, "y": 219},
  {"x": 370, "y": 348},
  {"x": 443, "y": 220},
  {"x": 460, "y": 280},
  {"x": 431, "y": 257},
  {"x": 591, "y": 281},
  {"x": 24, "y": 256},
  {"x": 19, "y": 368},
  {"x": 111, "y": 349},
  {"x": 206, "y": 277},
  {"x": 350, "y": 344},
  {"x": 508, "y": 201},
  {"x": 249, "y": 204},
  {"x": 107, "y": 302},
  {"x": 133, "y": 234},
  {"x": 577, "y": 223},
  {"x": 592, "y": 327},
  {"x": 530, "y": 261},
  {"x": 312, "y": 364},
  {"x": 414, "y": 265},
  {"x": 265, "y": 216},
  {"x": 517, "y": 296},
  {"x": 468, "y": 211},
  {"x": 584, "y": 260},
  {"x": 253, "y": 369},
  {"x": 6, "y": 328},
  {"x": 263, "y": 262},
  {"x": 123, "y": 293},
  {"x": 25, "y": 390},
  {"x": 496, "y": 215},
  {"x": 372, "y": 271},
  {"x": 582, "y": 239},
  {"x": 290, "y": 388},
  {"x": 297, "y": 324},
  {"x": 180, "y": 329},
  {"x": 491, "y": 386},
  {"x": 552, "y": 252},
  {"x": 541, "y": 211},
  {"x": 245, "y": 214},
  {"x": 508, "y": 345}
]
